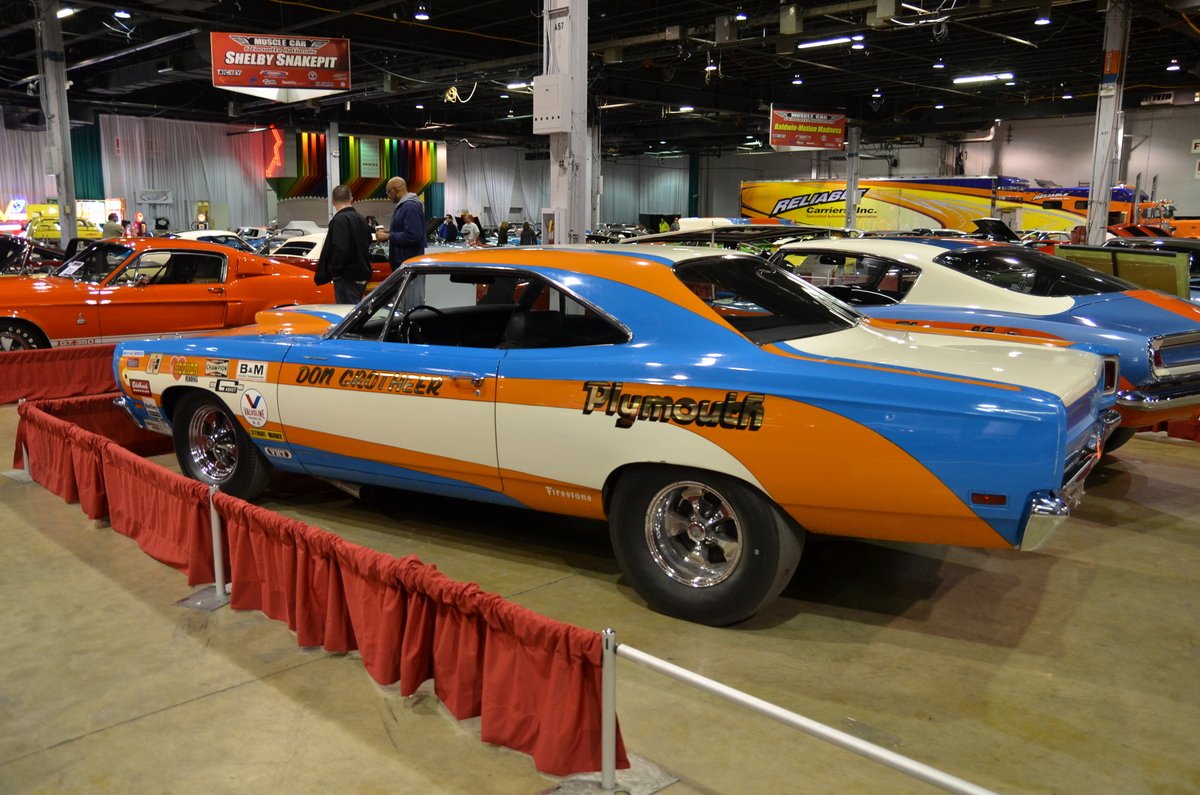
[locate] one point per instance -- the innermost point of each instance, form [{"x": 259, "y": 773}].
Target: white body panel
[{"x": 1067, "y": 373}]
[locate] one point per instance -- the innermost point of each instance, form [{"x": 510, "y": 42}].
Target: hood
[
  {"x": 1066, "y": 373},
  {"x": 995, "y": 229},
  {"x": 16, "y": 289}
]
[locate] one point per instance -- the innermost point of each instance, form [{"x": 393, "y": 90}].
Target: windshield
[
  {"x": 95, "y": 262},
  {"x": 1030, "y": 271},
  {"x": 763, "y": 301}
]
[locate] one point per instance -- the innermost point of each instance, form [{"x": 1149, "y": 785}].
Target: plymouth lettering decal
[{"x": 733, "y": 412}]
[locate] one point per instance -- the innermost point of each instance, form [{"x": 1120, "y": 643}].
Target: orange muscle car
[{"x": 137, "y": 287}]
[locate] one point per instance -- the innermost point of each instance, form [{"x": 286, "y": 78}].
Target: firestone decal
[
  {"x": 254, "y": 408},
  {"x": 734, "y": 413}
]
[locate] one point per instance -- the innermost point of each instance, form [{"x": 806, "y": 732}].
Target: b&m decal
[{"x": 735, "y": 413}]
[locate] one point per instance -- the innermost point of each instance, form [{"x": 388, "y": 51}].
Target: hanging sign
[
  {"x": 268, "y": 65},
  {"x": 368, "y": 157},
  {"x": 796, "y": 129}
]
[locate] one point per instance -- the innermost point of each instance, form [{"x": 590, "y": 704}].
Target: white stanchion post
[
  {"x": 214, "y": 521},
  {"x": 608, "y": 712}
]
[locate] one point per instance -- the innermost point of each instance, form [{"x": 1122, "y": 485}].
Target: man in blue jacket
[{"x": 406, "y": 235}]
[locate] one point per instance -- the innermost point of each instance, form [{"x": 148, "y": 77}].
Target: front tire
[
  {"x": 212, "y": 448},
  {"x": 16, "y": 336},
  {"x": 699, "y": 545}
]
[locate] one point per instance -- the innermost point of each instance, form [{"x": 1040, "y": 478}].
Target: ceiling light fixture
[
  {"x": 1173, "y": 66},
  {"x": 983, "y": 78},
  {"x": 686, "y": 109},
  {"x": 64, "y": 12},
  {"x": 939, "y": 106},
  {"x": 740, "y": 16},
  {"x": 422, "y": 13},
  {"x": 518, "y": 84},
  {"x": 939, "y": 64},
  {"x": 1043, "y": 13},
  {"x": 1068, "y": 95},
  {"x": 419, "y": 107},
  {"x": 122, "y": 14},
  {"x": 710, "y": 66},
  {"x": 797, "y": 80},
  {"x": 857, "y": 42},
  {"x": 806, "y": 45},
  {"x": 877, "y": 93}
]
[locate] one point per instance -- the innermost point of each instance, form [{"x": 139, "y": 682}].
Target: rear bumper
[{"x": 1049, "y": 509}]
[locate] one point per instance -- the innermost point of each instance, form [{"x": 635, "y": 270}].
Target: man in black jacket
[{"x": 345, "y": 259}]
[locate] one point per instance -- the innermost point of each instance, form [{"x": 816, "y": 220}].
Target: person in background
[
  {"x": 528, "y": 236},
  {"x": 448, "y": 231},
  {"x": 125, "y": 227},
  {"x": 112, "y": 228},
  {"x": 470, "y": 230},
  {"x": 406, "y": 235},
  {"x": 502, "y": 234},
  {"x": 344, "y": 259}
]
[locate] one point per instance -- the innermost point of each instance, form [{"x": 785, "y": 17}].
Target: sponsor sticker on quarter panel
[
  {"x": 133, "y": 362},
  {"x": 254, "y": 408},
  {"x": 140, "y": 386},
  {"x": 153, "y": 363},
  {"x": 251, "y": 371},
  {"x": 276, "y": 452},
  {"x": 271, "y": 436},
  {"x": 182, "y": 367},
  {"x": 217, "y": 367},
  {"x": 226, "y": 386},
  {"x": 158, "y": 426}
]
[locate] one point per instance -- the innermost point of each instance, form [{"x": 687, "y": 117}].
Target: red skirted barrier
[
  {"x": 56, "y": 373},
  {"x": 534, "y": 682}
]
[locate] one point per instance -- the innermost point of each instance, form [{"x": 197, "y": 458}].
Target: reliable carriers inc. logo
[{"x": 789, "y": 203}]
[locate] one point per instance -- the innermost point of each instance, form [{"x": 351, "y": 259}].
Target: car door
[
  {"x": 398, "y": 396},
  {"x": 165, "y": 291}
]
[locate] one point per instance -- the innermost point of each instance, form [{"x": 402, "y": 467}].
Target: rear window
[
  {"x": 763, "y": 301},
  {"x": 1030, "y": 271}
]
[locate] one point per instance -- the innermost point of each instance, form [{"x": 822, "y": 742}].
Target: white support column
[
  {"x": 560, "y": 111},
  {"x": 53, "y": 88},
  {"x": 1106, "y": 148},
  {"x": 333, "y": 166},
  {"x": 853, "y": 136}
]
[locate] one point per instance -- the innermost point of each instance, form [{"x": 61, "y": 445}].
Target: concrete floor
[{"x": 1072, "y": 670}]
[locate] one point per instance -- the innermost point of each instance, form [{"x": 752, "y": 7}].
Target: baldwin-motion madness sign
[{"x": 798, "y": 129}]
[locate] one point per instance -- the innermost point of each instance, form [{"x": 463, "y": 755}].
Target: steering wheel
[{"x": 407, "y": 324}]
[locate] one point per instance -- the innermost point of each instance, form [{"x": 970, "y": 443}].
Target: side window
[
  {"x": 173, "y": 267},
  {"x": 479, "y": 309}
]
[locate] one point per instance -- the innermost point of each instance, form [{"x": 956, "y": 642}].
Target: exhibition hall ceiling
[{"x": 448, "y": 77}]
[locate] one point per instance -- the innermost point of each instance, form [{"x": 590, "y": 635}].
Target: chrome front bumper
[{"x": 1049, "y": 509}]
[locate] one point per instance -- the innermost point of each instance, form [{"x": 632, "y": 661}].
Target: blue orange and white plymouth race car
[
  {"x": 713, "y": 406},
  {"x": 975, "y": 285}
]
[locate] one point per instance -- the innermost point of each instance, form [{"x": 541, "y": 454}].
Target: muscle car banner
[
  {"x": 797, "y": 129},
  {"x": 280, "y": 67}
]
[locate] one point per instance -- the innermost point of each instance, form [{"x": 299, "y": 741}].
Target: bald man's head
[{"x": 396, "y": 188}]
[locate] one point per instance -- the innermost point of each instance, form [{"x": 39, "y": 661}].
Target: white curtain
[
  {"x": 497, "y": 177},
  {"x": 23, "y": 167},
  {"x": 194, "y": 161},
  {"x": 643, "y": 185}
]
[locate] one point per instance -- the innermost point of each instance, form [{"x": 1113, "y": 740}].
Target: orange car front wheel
[{"x": 16, "y": 335}]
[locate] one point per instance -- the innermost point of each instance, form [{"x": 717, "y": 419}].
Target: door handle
[
  {"x": 474, "y": 380},
  {"x": 217, "y": 290}
]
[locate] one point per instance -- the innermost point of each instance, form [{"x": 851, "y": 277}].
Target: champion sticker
[
  {"x": 254, "y": 408},
  {"x": 217, "y": 367}
]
